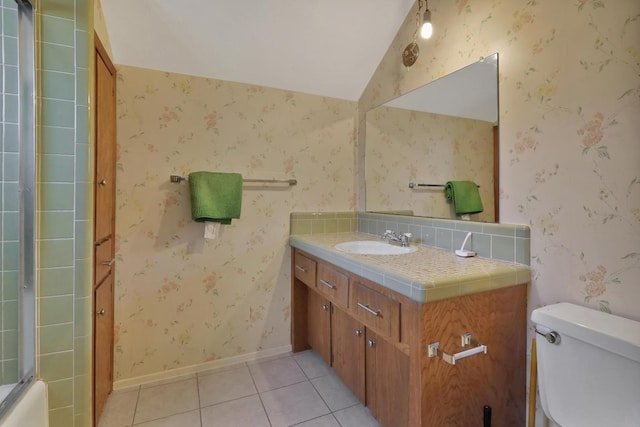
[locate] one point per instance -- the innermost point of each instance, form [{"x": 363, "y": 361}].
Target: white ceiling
[{"x": 322, "y": 47}]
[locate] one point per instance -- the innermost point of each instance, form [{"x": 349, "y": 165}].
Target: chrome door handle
[
  {"x": 325, "y": 307},
  {"x": 358, "y": 332},
  {"x": 103, "y": 182},
  {"x": 304, "y": 270},
  {"x": 369, "y": 309},
  {"x": 372, "y": 343},
  {"x": 327, "y": 284},
  {"x": 102, "y": 312}
]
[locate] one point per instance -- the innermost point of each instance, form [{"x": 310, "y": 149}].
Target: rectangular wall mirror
[{"x": 446, "y": 130}]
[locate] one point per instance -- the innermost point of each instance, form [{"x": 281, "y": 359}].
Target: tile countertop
[{"x": 425, "y": 275}]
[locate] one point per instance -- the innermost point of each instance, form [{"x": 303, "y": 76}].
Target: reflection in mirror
[{"x": 444, "y": 131}]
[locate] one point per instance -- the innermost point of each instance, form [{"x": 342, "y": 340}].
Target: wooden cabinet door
[
  {"x": 387, "y": 381},
  {"x": 103, "y": 347},
  {"x": 347, "y": 346},
  {"x": 318, "y": 324},
  {"x": 104, "y": 226}
]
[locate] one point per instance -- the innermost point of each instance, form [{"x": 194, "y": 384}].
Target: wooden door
[
  {"x": 387, "y": 381},
  {"x": 318, "y": 324},
  {"x": 104, "y": 227},
  {"x": 347, "y": 347}
]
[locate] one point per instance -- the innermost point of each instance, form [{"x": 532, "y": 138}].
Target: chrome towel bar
[{"x": 178, "y": 178}]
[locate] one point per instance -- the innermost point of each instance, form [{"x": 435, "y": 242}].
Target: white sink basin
[{"x": 372, "y": 247}]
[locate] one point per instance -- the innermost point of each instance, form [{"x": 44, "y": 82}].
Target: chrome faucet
[{"x": 394, "y": 239}]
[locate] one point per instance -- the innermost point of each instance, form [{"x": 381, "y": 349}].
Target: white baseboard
[{"x": 193, "y": 369}]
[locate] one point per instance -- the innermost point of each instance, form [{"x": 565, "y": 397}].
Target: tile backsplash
[{"x": 505, "y": 242}]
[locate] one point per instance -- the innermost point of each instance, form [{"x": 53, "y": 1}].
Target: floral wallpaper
[
  {"x": 405, "y": 145},
  {"x": 569, "y": 130},
  {"x": 182, "y": 300}
]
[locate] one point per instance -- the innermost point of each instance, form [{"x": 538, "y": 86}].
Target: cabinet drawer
[
  {"x": 376, "y": 310},
  {"x": 333, "y": 285},
  {"x": 305, "y": 270}
]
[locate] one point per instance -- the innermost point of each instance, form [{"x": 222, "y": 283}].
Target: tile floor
[{"x": 289, "y": 390}]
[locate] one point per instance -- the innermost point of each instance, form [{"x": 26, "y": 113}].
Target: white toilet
[{"x": 588, "y": 366}]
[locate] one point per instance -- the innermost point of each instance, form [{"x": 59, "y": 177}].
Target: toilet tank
[{"x": 591, "y": 375}]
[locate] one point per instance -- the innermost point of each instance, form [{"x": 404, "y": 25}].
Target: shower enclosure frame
[{"x": 27, "y": 207}]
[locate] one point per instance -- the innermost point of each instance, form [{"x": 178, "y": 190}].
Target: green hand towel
[
  {"x": 215, "y": 197},
  {"x": 465, "y": 197}
]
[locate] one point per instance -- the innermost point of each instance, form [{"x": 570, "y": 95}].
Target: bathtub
[{"x": 30, "y": 409}]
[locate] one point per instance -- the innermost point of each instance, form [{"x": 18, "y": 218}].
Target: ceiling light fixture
[
  {"x": 411, "y": 52},
  {"x": 427, "y": 29}
]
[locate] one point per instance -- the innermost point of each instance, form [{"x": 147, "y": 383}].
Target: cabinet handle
[
  {"x": 327, "y": 284},
  {"x": 103, "y": 182},
  {"x": 304, "y": 270},
  {"x": 102, "y": 312},
  {"x": 372, "y": 343},
  {"x": 369, "y": 309},
  {"x": 325, "y": 307},
  {"x": 108, "y": 263},
  {"x": 358, "y": 332}
]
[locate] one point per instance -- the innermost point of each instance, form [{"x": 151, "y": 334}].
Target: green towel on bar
[
  {"x": 215, "y": 197},
  {"x": 465, "y": 197}
]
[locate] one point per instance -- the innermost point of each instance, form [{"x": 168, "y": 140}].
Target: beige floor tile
[
  {"x": 167, "y": 399},
  {"x": 334, "y": 393},
  {"x": 247, "y": 411},
  {"x": 356, "y": 416},
  {"x": 276, "y": 373},
  {"x": 312, "y": 364},
  {"x": 169, "y": 380},
  {"x": 120, "y": 408},
  {"x": 293, "y": 404},
  {"x": 324, "y": 421},
  {"x": 226, "y": 385},
  {"x": 186, "y": 419}
]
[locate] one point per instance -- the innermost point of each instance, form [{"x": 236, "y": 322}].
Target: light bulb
[{"x": 427, "y": 29}]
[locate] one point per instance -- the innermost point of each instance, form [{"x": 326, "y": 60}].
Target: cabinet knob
[
  {"x": 372, "y": 343},
  {"x": 103, "y": 182},
  {"x": 102, "y": 312},
  {"x": 325, "y": 307},
  {"x": 358, "y": 332}
]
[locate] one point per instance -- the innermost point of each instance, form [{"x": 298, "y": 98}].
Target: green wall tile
[
  {"x": 10, "y": 51},
  {"x": 58, "y": 85},
  {"x": 82, "y": 309},
  {"x": 56, "y": 140},
  {"x": 57, "y": 58},
  {"x": 503, "y": 248},
  {"x": 57, "y": 225},
  {"x": 10, "y": 226},
  {"x": 57, "y": 168},
  {"x": 59, "y": 8},
  {"x": 10, "y": 24},
  {"x": 83, "y": 278},
  {"x": 55, "y": 112},
  {"x": 56, "y": 281},
  {"x": 56, "y": 253},
  {"x": 60, "y": 394},
  {"x": 10, "y": 256},
  {"x": 56, "y": 366},
  {"x": 56, "y": 338},
  {"x": 9, "y": 341},
  {"x": 11, "y": 137},
  {"x": 11, "y": 80},
  {"x": 57, "y": 30},
  {"x": 82, "y": 47},
  {"x": 56, "y": 196},
  {"x": 61, "y": 417},
  {"x": 55, "y": 310}
]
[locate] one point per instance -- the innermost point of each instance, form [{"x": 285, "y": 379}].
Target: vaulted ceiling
[{"x": 323, "y": 47}]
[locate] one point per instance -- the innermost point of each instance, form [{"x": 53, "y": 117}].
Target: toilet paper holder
[{"x": 465, "y": 340}]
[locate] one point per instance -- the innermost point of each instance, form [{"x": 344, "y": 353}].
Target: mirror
[{"x": 446, "y": 130}]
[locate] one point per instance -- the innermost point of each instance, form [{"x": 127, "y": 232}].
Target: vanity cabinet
[
  {"x": 376, "y": 341},
  {"x": 318, "y": 325}
]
